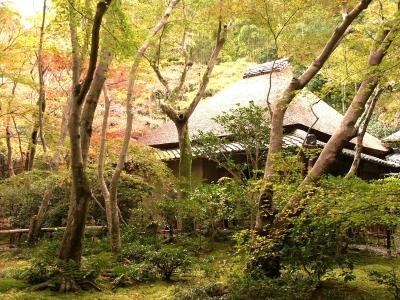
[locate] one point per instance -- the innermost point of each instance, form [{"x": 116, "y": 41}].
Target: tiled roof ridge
[
  {"x": 266, "y": 68},
  {"x": 394, "y": 137}
]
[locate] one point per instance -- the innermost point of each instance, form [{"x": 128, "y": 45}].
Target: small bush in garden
[
  {"x": 289, "y": 286},
  {"x": 43, "y": 265},
  {"x": 95, "y": 245},
  {"x": 209, "y": 291},
  {"x": 131, "y": 235},
  {"x": 99, "y": 262},
  {"x": 168, "y": 260},
  {"x": 134, "y": 252},
  {"x": 391, "y": 279},
  {"x": 126, "y": 275},
  {"x": 139, "y": 272}
]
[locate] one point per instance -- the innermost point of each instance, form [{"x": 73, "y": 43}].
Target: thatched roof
[
  {"x": 393, "y": 138},
  {"x": 302, "y": 113},
  {"x": 263, "y": 69}
]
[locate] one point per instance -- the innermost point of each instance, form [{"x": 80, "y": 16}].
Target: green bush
[
  {"x": 43, "y": 265},
  {"x": 135, "y": 252},
  {"x": 391, "y": 279},
  {"x": 98, "y": 263},
  {"x": 138, "y": 272},
  {"x": 168, "y": 260},
  {"x": 289, "y": 286},
  {"x": 205, "y": 292}
]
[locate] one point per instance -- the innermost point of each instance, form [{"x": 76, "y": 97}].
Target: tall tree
[
  {"x": 38, "y": 127},
  {"x": 110, "y": 195},
  {"x": 71, "y": 247},
  {"x": 278, "y": 230},
  {"x": 266, "y": 209},
  {"x": 181, "y": 117}
]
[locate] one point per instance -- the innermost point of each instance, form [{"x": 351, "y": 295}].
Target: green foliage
[
  {"x": 248, "y": 126},
  {"x": 136, "y": 272},
  {"x": 207, "y": 292},
  {"x": 43, "y": 265},
  {"x": 135, "y": 252},
  {"x": 98, "y": 263},
  {"x": 291, "y": 286},
  {"x": 144, "y": 179},
  {"x": 316, "y": 242},
  {"x": 143, "y": 182},
  {"x": 168, "y": 260},
  {"x": 46, "y": 267},
  {"x": 391, "y": 279},
  {"x": 210, "y": 205},
  {"x": 378, "y": 128},
  {"x": 21, "y": 196}
]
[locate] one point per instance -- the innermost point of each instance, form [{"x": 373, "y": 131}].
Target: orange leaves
[{"x": 56, "y": 61}]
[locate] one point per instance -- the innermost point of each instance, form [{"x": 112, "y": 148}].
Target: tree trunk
[
  {"x": 80, "y": 192},
  {"x": 21, "y": 153},
  {"x": 185, "y": 150},
  {"x": 115, "y": 231},
  {"x": 361, "y": 133},
  {"x": 111, "y": 206},
  {"x": 42, "y": 93},
  {"x": 347, "y": 129},
  {"x": 38, "y": 219},
  {"x": 10, "y": 161},
  {"x": 181, "y": 118},
  {"x": 92, "y": 98},
  {"x": 265, "y": 206},
  {"x": 38, "y": 124},
  {"x": 71, "y": 248},
  {"x": 31, "y": 152},
  {"x": 110, "y": 196},
  {"x": 343, "y": 133}
]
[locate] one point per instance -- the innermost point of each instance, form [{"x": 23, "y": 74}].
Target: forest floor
[{"x": 214, "y": 265}]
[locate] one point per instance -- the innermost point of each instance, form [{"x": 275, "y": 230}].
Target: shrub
[
  {"x": 99, "y": 262},
  {"x": 207, "y": 292},
  {"x": 135, "y": 252},
  {"x": 46, "y": 267},
  {"x": 391, "y": 279},
  {"x": 43, "y": 265},
  {"x": 138, "y": 272},
  {"x": 168, "y": 260},
  {"x": 292, "y": 286}
]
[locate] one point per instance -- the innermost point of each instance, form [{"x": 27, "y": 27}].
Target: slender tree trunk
[
  {"x": 361, "y": 133},
  {"x": 31, "y": 152},
  {"x": 115, "y": 230},
  {"x": 111, "y": 206},
  {"x": 21, "y": 153},
  {"x": 265, "y": 206},
  {"x": 10, "y": 161},
  {"x": 38, "y": 219},
  {"x": 38, "y": 124}
]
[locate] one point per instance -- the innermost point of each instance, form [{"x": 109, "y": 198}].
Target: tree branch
[{"x": 210, "y": 66}]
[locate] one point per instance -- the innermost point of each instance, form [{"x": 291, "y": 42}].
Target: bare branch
[{"x": 210, "y": 66}]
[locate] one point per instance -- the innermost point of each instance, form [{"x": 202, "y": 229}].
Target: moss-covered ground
[{"x": 214, "y": 265}]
